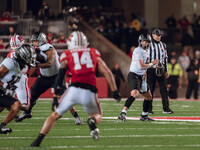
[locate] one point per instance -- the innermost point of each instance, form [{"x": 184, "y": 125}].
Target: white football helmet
[
  {"x": 77, "y": 39},
  {"x": 16, "y": 41}
]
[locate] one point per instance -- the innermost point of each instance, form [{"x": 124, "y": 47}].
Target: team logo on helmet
[{"x": 16, "y": 41}]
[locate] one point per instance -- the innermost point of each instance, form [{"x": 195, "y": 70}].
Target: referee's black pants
[{"x": 151, "y": 80}]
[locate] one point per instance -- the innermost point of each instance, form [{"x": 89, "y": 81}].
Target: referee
[{"x": 157, "y": 50}]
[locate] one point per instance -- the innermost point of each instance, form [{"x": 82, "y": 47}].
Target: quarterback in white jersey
[
  {"x": 137, "y": 77},
  {"x": 11, "y": 70},
  {"x": 139, "y": 54}
]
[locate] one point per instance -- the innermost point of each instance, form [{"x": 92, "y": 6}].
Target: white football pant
[
  {"x": 23, "y": 92},
  {"x": 74, "y": 95}
]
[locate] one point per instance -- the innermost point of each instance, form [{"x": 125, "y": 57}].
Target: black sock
[
  {"x": 28, "y": 111},
  {"x": 41, "y": 136},
  {"x": 146, "y": 105},
  {"x": 38, "y": 140},
  {"x": 3, "y": 124},
  {"x": 32, "y": 103},
  {"x": 75, "y": 114},
  {"x": 92, "y": 123},
  {"x": 129, "y": 101}
]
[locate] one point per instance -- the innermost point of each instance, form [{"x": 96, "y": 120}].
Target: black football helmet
[
  {"x": 144, "y": 37},
  {"x": 40, "y": 37},
  {"x": 23, "y": 54}
]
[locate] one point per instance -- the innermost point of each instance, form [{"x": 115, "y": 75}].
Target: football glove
[
  {"x": 9, "y": 92},
  {"x": 37, "y": 50},
  {"x": 116, "y": 95},
  {"x": 54, "y": 103}
]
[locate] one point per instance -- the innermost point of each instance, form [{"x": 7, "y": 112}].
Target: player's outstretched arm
[
  {"x": 102, "y": 67},
  {"x": 146, "y": 66},
  {"x": 58, "y": 87}
]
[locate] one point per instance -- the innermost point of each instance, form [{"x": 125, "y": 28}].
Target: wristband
[{"x": 150, "y": 65}]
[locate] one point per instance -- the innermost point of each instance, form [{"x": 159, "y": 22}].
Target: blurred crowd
[
  {"x": 184, "y": 72},
  {"x": 113, "y": 25},
  {"x": 124, "y": 33}
]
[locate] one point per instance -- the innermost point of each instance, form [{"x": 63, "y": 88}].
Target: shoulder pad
[{"x": 46, "y": 47}]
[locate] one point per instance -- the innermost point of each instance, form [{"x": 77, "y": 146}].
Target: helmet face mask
[
  {"x": 38, "y": 39},
  {"x": 16, "y": 41},
  {"x": 77, "y": 39},
  {"x": 23, "y": 54},
  {"x": 144, "y": 37}
]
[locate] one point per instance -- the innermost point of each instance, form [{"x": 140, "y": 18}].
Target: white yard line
[
  {"x": 111, "y": 136},
  {"x": 107, "y": 129},
  {"x": 137, "y": 118},
  {"x": 138, "y": 99},
  {"x": 109, "y": 146}
]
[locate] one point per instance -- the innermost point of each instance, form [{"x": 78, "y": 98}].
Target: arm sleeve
[{"x": 59, "y": 79}]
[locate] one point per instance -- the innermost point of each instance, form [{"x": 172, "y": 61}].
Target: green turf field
[{"x": 114, "y": 134}]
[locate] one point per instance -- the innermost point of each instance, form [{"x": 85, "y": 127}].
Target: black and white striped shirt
[{"x": 158, "y": 51}]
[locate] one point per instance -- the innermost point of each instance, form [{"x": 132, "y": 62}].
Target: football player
[
  {"x": 23, "y": 92},
  {"x": 11, "y": 70},
  {"x": 137, "y": 78},
  {"x": 82, "y": 62},
  {"x": 48, "y": 73}
]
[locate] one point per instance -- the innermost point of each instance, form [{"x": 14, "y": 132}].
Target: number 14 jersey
[{"x": 82, "y": 63}]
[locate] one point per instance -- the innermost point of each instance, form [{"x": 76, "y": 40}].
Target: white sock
[
  {"x": 144, "y": 113},
  {"x": 125, "y": 111}
]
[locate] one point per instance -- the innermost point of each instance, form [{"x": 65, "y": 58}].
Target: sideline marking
[
  {"x": 101, "y": 146},
  {"x": 192, "y": 119}
]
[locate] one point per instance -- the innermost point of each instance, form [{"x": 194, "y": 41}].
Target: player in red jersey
[{"x": 82, "y": 62}]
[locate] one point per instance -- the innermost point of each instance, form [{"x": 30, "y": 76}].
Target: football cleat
[
  {"x": 150, "y": 112},
  {"x": 36, "y": 143},
  {"x": 5, "y": 130},
  {"x": 169, "y": 111},
  {"x": 78, "y": 121},
  {"x": 146, "y": 118},
  {"x": 122, "y": 116},
  {"x": 23, "y": 116},
  {"x": 95, "y": 134}
]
